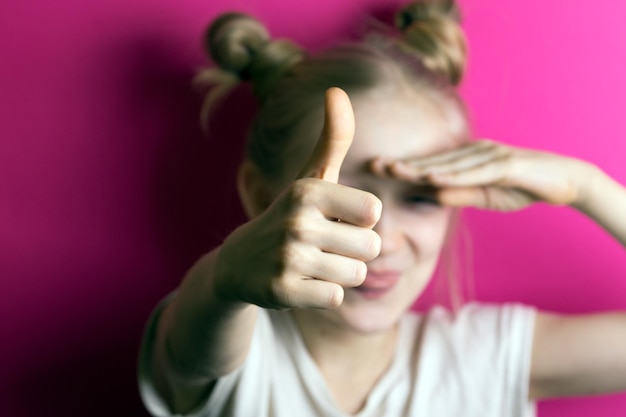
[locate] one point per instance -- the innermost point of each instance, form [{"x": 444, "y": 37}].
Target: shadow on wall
[
  {"x": 88, "y": 366},
  {"x": 195, "y": 181}
]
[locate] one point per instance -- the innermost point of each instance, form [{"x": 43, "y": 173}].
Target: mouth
[{"x": 377, "y": 284}]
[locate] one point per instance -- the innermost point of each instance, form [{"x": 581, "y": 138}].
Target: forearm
[
  {"x": 604, "y": 200},
  {"x": 200, "y": 338}
]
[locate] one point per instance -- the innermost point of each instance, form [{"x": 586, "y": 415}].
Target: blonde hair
[{"x": 427, "y": 51}]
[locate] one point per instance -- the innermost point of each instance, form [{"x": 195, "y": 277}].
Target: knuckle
[
  {"x": 371, "y": 208},
  {"x": 300, "y": 191},
  {"x": 291, "y": 256},
  {"x": 335, "y": 296},
  {"x": 360, "y": 271},
  {"x": 297, "y": 227},
  {"x": 373, "y": 245},
  {"x": 281, "y": 294},
  {"x": 505, "y": 152}
]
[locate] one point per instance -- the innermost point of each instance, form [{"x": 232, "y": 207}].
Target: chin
[
  {"x": 371, "y": 325},
  {"x": 370, "y": 312},
  {"x": 372, "y": 316}
]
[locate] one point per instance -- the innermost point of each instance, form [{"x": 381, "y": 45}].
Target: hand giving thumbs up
[{"x": 296, "y": 254}]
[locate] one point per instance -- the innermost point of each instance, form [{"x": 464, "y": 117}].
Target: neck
[{"x": 337, "y": 350}]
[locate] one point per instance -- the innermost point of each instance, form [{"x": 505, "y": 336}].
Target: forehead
[{"x": 401, "y": 125}]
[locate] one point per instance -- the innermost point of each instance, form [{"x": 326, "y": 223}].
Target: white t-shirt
[{"x": 474, "y": 364}]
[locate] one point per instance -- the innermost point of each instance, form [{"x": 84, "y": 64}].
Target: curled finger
[
  {"x": 345, "y": 239},
  {"x": 307, "y": 292},
  {"x": 341, "y": 270}
]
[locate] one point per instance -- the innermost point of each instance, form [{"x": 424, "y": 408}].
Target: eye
[
  {"x": 420, "y": 197},
  {"x": 420, "y": 200}
]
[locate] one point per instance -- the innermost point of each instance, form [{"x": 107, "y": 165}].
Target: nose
[{"x": 390, "y": 232}]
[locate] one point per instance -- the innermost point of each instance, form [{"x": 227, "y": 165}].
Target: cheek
[{"x": 427, "y": 232}]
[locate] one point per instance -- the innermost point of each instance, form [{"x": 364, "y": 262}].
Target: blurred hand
[
  {"x": 314, "y": 239},
  {"x": 489, "y": 175}
]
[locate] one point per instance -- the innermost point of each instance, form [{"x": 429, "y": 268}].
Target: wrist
[
  {"x": 222, "y": 290},
  {"x": 589, "y": 179}
]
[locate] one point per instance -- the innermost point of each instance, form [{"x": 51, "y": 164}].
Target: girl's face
[{"x": 397, "y": 125}]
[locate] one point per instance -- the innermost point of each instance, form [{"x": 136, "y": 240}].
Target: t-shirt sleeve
[
  {"x": 504, "y": 334},
  {"x": 226, "y": 390},
  {"x": 151, "y": 398},
  {"x": 481, "y": 358}
]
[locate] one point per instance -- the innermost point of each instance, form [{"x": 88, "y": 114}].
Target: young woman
[{"x": 304, "y": 310}]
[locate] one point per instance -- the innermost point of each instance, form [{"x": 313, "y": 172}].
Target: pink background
[{"x": 108, "y": 191}]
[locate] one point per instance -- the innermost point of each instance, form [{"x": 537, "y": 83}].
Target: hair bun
[
  {"x": 432, "y": 29},
  {"x": 240, "y": 44},
  {"x": 233, "y": 39}
]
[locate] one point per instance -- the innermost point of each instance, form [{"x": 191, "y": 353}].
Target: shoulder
[
  {"x": 480, "y": 330},
  {"x": 478, "y": 357},
  {"x": 480, "y": 319},
  {"x": 479, "y": 340},
  {"x": 473, "y": 319}
]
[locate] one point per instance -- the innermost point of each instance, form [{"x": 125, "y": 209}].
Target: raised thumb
[{"x": 336, "y": 138}]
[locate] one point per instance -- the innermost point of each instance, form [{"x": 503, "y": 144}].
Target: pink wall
[{"x": 108, "y": 191}]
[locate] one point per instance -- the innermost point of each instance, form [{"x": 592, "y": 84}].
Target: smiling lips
[{"x": 378, "y": 283}]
